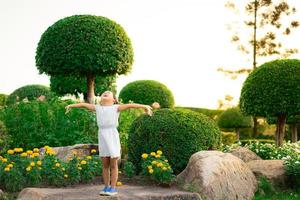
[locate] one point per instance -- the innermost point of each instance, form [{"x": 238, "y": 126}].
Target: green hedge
[
  {"x": 178, "y": 133},
  {"x": 35, "y": 124},
  {"x": 147, "y": 92},
  {"x": 213, "y": 114},
  {"x": 31, "y": 92},
  {"x": 3, "y": 98}
]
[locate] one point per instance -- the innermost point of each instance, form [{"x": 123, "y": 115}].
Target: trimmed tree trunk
[
  {"x": 90, "y": 88},
  {"x": 280, "y": 129},
  {"x": 237, "y": 131},
  {"x": 254, "y": 130},
  {"x": 294, "y": 128}
]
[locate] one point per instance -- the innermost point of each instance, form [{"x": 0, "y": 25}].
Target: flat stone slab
[{"x": 91, "y": 192}]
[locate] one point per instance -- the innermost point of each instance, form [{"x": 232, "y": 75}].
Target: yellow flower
[
  {"x": 74, "y": 152},
  {"x": 149, "y": 167},
  {"x": 10, "y": 165},
  {"x": 83, "y": 162},
  {"x": 154, "y": 162},
  {"x": 151, "y": 171},
  {"x": 93, "y": 151},
  {"x": 32, "y": 164},
  {"x": 36, "y": 154},
  {"x": 169, "y": 167},
  {"x": 159, "y": 164},
  {"x": 10, "y": 151},
  {"x": 6, "y": 169},
  {"x": 89, "y": 157},
  {"x": 29, "y": 152},
  {"x": 28, "y": 169},
  {"x": 79, "y": 168},
  {"x": 166, "y": 161},
  {"x": 144, "y": 155},
  {"x": 164, "y": 168},
  {"x": 66, "y": 175},
  {"x": 4, "y": 160},
  {"x": 18, "y": 150},
  {"x": 119, "y": 183},
  {"x": 159, "y": 152},
  {"x": 24, "y": 154},
  {"x": 69, "y": 158},
  {"x": 57, "y": 164},
  {"x": 36, "y": 150},
  {"x": 63, "y": 169},
  {"x": 157, "y": 156},
  {"x": 47, "y": 147},
  {"x": 152, "y": 153},
  {"x": 39, "y": 163}
]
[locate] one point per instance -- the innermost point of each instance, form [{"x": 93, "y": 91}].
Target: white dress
[{"x": 108, "y": 135}]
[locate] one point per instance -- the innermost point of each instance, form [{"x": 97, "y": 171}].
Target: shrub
[
  {"x": 129, "y": 169},
  {"x": 213, "y": 114},
  {"x": 35, "y": 124},
  {"x": 147, "y": 92},
  {"x": 156, "y": 167},
  {"x": 3, "y": 98},
  {"x": 178, "y": 133},
  {"x": 228, "y": 138},
  {"x": 31, "y": 92}
]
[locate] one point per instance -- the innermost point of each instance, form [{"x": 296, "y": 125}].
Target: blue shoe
[
  {"x": 112, "y": 191},
  {"x": 104, "y": 191}
]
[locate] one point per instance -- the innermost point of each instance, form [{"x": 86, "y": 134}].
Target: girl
[{"x": 107, "y": 114}]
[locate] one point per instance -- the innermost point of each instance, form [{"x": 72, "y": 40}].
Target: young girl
[{"x": 107, "y": 114}]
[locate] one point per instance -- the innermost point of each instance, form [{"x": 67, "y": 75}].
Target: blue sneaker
[
  {"x": 112, "y": 191},
  {"x": 105, "y": 190}
]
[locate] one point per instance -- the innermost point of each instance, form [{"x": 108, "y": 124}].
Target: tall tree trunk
[
  {"x": 280, "y": 129},
  {"x": 90, "y": 88},
  {"x": 237, "y": 131},
  {"x": 294, "y": 128},
  {"x": 255, "y": 125}
]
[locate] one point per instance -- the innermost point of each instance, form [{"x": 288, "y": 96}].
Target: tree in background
[
  {"x": 28, "y": 92},
  {"x": 86, "y": 46},
  {"x": 3, "y": 98},
  {"x": 233, "y": 118},
  {"x": 63, "y": 85},
  {"x": 147, "y": 92},
  {"x": 273, "y": 90}
]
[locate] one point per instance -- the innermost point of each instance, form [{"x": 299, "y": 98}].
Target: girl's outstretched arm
[
  {"x": 87, "y": 106},
  {"x": 148, "y": 109}
]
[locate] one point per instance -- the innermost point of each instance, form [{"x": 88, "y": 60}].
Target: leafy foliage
[
  {"x": 178, "y": 133},
  {"x": 233, "y": 118},
  {"x": 31, "y": 92},
  {"x": 82, "y": 44},
  {"x": 3, "y": 98},
  {"x": 147, "y": 92}
]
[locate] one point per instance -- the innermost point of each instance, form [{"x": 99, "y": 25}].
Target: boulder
[
  {"x": 245, "y": 154},
  {"x": 66, "y": 152},
  {"x": 273, "y": 170},
  {"x": 218, "y": 176}
]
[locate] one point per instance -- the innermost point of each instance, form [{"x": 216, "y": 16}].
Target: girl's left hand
[{"x": 148, "y": 110}]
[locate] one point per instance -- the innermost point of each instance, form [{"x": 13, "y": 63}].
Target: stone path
[{"x": 126, "y": 192}]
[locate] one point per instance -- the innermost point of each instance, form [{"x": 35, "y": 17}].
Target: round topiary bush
[
  {"x": 3, "y": 98},
  {"x": 179, "y": 133},
  {"x": 31, "y": 92},
  {"x": 147, "y": 92}
]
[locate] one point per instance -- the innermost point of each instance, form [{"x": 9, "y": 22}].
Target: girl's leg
[
  {"x": 114, "y": 171},
  {"x": 105, "y": 170}
]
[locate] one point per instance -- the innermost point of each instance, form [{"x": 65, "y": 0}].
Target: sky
[{"x": 180, "y": 43}]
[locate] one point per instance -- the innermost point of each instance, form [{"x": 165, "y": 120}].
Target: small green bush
[
  {"x": 31, "y": 92},
  {"x": 3, "y": 98},
  {"x": 211, "y": 113},
  {"x": 35, "y": 124},
  {"x": 147, "y": 92},
  {"x": 178, "y": 133},
  {"x": 228, "y": 138}
]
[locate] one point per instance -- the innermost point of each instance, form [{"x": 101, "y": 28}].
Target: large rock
[
  {"x": 273, "y": 170},
  {"x": 126, "y": 192},
  {"x": 66, "y": 152},
  {"x": 245, "y": 154},
  {"x": 218, "y": 176}
]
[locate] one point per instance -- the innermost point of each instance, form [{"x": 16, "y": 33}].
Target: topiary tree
[
  {"x": 63, "y": 85},
  {"x": 179, "y": 133},
  {"x": 31, "y": 92},
  {"x": 147, "y": 92},
  {"x": 233, "y": 118},
  {"x": 272, "y": 90},
  {"x": 86, "y": 46},
  {"x": 3, "y": 98}
]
